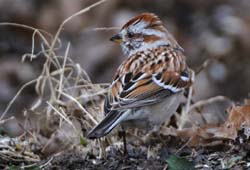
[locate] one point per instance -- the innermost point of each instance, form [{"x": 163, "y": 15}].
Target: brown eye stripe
[
  {"x": 157, "y": 24},
  {"x": 133, "y": 35},
  {"x": 150, "y": 38}
]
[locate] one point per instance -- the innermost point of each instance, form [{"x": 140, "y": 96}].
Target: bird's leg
[
  {"x": 122, "y": 134},
  {"x": 125, "y": 151}
]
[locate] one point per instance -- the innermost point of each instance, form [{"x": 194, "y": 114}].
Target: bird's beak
[{"x": 117, "y": 39}]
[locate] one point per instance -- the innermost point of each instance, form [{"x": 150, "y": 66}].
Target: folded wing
[{"x": 138, "y": 84}]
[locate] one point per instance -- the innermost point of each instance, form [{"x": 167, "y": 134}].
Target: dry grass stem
[
  {"x": 70, "y": 18},
  {"x": 63, "y": 68},
  {"x": 64, "y": 86},
  {"x": 15, "y": 97},
  {"x": 6, "y": 120},
  {"x": 64, "y": 116},
  {"x": 105, "y": 29},
  {"x": 207, "y": 101},
  {"x": 185, "y": 111},
  {"x": 81, "y": 107}
]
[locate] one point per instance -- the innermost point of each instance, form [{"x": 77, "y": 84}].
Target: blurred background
[{"x": 214, "y": 29}]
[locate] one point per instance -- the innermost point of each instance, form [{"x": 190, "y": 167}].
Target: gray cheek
[
  {"x": 138, "y": 43},
  {"x": 125, "y": 49}
]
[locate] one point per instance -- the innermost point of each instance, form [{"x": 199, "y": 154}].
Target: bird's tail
[{"x": 111, "y": 120}]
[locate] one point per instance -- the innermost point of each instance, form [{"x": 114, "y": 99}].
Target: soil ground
[{"x": 229, "y": 155}]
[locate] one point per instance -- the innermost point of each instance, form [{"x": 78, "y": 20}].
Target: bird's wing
[{"x": 148, "y": 77}]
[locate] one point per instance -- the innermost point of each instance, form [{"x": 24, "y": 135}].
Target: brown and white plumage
[{"x": 147, "y": 86}]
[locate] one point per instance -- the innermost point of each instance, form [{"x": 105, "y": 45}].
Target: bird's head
[{"x": 142, "y": 32}]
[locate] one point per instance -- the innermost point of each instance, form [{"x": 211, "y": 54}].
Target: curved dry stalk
[
  {"x": 15, "y": 97},
  {"x": 6, "y": 120},
  {"x": 39, "y": 31},
  {"x": 210, "y": 100},
  {"x": 190, "y": 93},
  {"x": 32, "y": 48},
  {"x": 204, "y": 65},
  {"x": 105, "y": 86},
  {"x": 69, "y": 18},
  {"x": 63, "y": 68},
  {"x": 47, "y": 163},
  {"x": 98, "y": 93}
]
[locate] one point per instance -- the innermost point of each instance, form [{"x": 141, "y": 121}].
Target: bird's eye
[{"x": 130, "y": 34}]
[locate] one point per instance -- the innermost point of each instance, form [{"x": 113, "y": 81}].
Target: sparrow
[{"x": 148, "y": 85}]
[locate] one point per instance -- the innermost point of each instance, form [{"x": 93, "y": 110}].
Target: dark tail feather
[{"x": 106, "y": 125}]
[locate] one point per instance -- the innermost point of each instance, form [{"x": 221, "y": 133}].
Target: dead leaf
[{"x": 238, "y": 119}]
